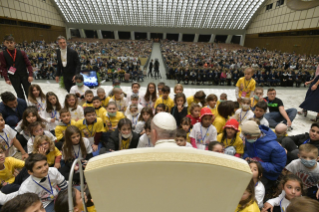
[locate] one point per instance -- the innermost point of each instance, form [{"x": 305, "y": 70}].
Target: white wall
[
  {"x": 282, "y": 19},
  {"x": 38, "y": 11}
]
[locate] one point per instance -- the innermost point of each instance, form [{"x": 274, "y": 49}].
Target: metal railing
[{"x": 70, "y": 187}]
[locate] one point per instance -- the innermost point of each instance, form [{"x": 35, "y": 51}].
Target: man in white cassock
[{"x": 163, "y": 130}]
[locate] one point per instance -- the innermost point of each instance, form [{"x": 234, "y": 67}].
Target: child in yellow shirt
[
  {"x": 91, "y": 127},
  {"x": 212, "y": 103},
  {"x": 66, "y": 121},
  {"x": 100, "y": 111},
  {"x": 225, "y": 109},
  {"x": 102, "y": 95},
  {"x": 119, "y": 99},
  {"x": 9, "y": 182},
  {"x": 230, "y": 137},
  {"x": 165, "y": 99},
  {"x": 88, "y": 99},
  {"x": 112, "y": 117},
  {"x": 199, "y": 97},
  {"x": 245, "y": 85},
  {"x": 248, "y": 202},
  {"x": 43, "y": 145}
]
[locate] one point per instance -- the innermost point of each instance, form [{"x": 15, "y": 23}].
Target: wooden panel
[
  {"x": 22, "y": 33},
  {"x": 298, "y": 44}
]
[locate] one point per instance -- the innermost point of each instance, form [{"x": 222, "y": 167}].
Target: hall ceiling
[{"x": 198, "y": 14}]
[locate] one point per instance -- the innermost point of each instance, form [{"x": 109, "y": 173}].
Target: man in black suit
[
  {"x": 150, "y": 69},
  {"x": 68, "y": 64}
]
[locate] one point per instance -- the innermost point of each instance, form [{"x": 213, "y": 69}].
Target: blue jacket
[
  {"x": 10, "y": 116},
  {"x": 269, "y": 151}
]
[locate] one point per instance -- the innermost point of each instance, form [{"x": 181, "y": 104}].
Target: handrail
[{"x": 70, "y": 196}]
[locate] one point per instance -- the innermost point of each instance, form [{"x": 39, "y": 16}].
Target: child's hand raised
[
  {"x": 266, "y": 207},
  {"x": 57, "y": 165},
  {"x": 42, "y": 151}
]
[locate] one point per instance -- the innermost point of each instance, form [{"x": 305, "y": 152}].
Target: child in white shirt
[
  {"x": 244, "y": 113},
  {"x": 145, "y": 139},
  {"x": 79, "y": 89}
]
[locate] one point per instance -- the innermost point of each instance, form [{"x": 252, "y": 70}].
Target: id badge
[
  {"x": 12, "y": 70},
  {"x": 243, "y": 94}
]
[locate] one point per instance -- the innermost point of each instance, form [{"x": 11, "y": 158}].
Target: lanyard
[
  {"x": 119, "y": 103},
  {"x": 110, "y": 125},
  {"x": 247, "y": 84},
  {"x": 53, "y": 115},
  {"x": 76, "y": 155},
  {"x": 203, "y": 138},
  {"x": 39, "y": 103},
  {"x": 307, "y": 141},
  {"x": 13, "y": 57},
  {"x": 280, "y": 205},
  {"x": 241, "y": 118},
  {"x": 51, "y": 192},
  {"x": 256, "y": 184},
  {"x": 134, "y": 122},
  {"x": 87, "y": 127},
  {"x": 5, "y": 140}
]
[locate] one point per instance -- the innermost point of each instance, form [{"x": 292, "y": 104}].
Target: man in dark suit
[
  {"x": 68, "y": 64},
  {"x": 150, "y": 69}
]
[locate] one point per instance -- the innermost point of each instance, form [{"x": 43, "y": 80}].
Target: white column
[
  {"x": 212, "y": 38},
  {"x": 229, "y": 37},
  {"x": 242, "y": 40},
  {"x": 99, "y": 34},
  {"x": 180, "y": 37},
  {"x": 132, "y": 35},
  {"x": 196, "y": 38},
  {"x": 116, "y": 35},
  {"x": 68, "y": 33},
  {"x": 148, "y": 36},
  {"x": 82, "y": 33},
  {"x": 164, "y": 35}
]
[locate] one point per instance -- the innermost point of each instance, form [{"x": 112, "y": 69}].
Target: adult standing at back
[
  {"x": 14, "y": 65},
  {"x": 156, "y": 68},
  {"x": 68, "y": 64},
  {"x": 150, "y": 69}
]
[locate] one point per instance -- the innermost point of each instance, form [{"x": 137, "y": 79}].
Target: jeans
[
  {"x": 275, "y": 118},
  {"x": 50, "y": 207}
]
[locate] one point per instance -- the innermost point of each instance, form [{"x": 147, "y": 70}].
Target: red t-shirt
[{"x": 194, "y": 120}]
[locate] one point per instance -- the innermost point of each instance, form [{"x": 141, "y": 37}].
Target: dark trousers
[
  {"x": 22, "y": 140},
  {"x": 10, "y": 188},
  {"x": 19, "y": 82},
  {"x": 68, "y": 83},
  {"x": 150, "y": 72}
]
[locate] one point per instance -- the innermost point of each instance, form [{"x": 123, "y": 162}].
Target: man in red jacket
[{"x": 14, "y": 65}]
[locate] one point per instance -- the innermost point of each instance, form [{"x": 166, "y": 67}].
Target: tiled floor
[{"x": 292, "y": 97}]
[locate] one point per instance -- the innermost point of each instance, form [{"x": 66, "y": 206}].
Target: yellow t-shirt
[
  {"x": 168, "y": 102},
  {"x": 190, "y": 100},
  {"x": 89, "y": 131},
  {"x": 253, "y": 103},
  {"x": 52, "y": 155},
  {"x": 125, "y": 144},
  {"x": 60, "y": 129},
  {"x": 87, "y": 105},
  {"x": 91, "y": 209},
  {"x": 111, "y": 122},
  {"x": 249, "y": 86},
  {"x": 238, "y": 143},
  {"x": 214, "y": 110},
  {"x": 100, "y": 112},
  {"x": 251, "y": 208},
  {"x": 10, "y": 164},
  {"x": 105, "y": 101},
  {"x": 219, "y": 123}
]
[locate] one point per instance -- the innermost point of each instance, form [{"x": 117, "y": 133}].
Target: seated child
[
  {"x": 65, "y": 117},
  {"x": 37, "y": 128},
  {"x": 133, "y": 114},
  {"x": 44, "y": 181},
  {"x": 135, "y": 90},
  {"x": 146, "y": 114},
  {"x": 52, "y": 111},
  {"x": 9, "y": 182},
  {"x": 306, "y": 165},
  {"x": 292, "y": 188},
  {"x": 212, "y": 100},
  {"x": 179, "y": 111},
  {"x": 303, "y": 204},
  {"x": 97, "y": 104},
  {"x": 91, "y": 127},
  {"x": 222, "y": 98},
  {"x": 216, "y": 146},
  {"x": 74, "y": 146},
  {"x": 134, "y": 101},
  {"x": 186, "y": 125},
  {"x": 119, "y": 99},
  {"x": 248, "y": 202},
  {"x": 203, "y": 132},
  {"x": 236, "y": 106},
  {"x": 258, "y": 97},
  {"x": 8, "y": 140},
  {"x": 194, "y": 113},
  {"x": 79, "y": 89},
  {"x": 145, "y": 139},
  {"x": 230, "y": 137},
  {"x": 24, "y": 202},
  {"x": 181, "y": 138},
  {"x": 43, "y": 145},
  {"x": 178, "y": 88},
  {"x": 281, "y": 131},
  {"x": 260, "y": 110},
  {"x": 102, "y": 95},
  {"x": 244, "y": 113},
  {"x": 165, "y": 99},
  {"x": 88, "y": 96},
  {"x": 112, "y": 117},
  {"x": 122, "y": 138},
  {"x": 225, "y": 109},
  {"x": 36, "y": 98},
  {"x": 71, "y": 104},
  {"x": 161, "y": 108},
  {"x": 257, "y": 171}
]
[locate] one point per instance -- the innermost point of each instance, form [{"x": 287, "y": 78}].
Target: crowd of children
[{"x": 51, "y": 135}]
